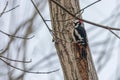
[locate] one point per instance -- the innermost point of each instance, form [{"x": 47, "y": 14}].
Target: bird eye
[{"x": 76, "y": 23}]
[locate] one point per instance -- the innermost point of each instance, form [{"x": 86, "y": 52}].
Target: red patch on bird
[{"x": 80, "y": 21}]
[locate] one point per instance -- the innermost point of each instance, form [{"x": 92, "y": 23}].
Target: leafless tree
[{"x": 24, "y": 36}]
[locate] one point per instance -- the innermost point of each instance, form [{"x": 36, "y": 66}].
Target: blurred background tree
[{"x": 24, "y": 21}]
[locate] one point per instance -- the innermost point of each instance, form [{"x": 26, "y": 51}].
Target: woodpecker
[{"x": 79, "y": 34}]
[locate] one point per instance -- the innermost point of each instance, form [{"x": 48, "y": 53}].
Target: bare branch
[
  {"x": 87, "y": 6},
  {"x": 16, "y": 60},
  {"x": 9, "y": 35},
  {"x": 28, "y": 71},
  {"x": 42, "y": 17},
  {"x": 4, "y": 9},
  {"x": 11, "y": 9},
  {"x": 114, "y": 34}
]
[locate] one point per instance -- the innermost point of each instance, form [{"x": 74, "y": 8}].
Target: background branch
[
  {"x": 12, "y": 36},
  {"x": 16, "y": 60},
  {"x": 48, "y": 72}
]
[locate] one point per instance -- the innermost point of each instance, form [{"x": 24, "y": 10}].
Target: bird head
[{"x": 77, "y": 23}]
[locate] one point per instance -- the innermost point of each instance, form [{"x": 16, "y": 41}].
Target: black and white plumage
[{"x": 79, "y": 34}]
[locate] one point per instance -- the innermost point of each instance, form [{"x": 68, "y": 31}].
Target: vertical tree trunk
[{"x": 74, "y": 67}]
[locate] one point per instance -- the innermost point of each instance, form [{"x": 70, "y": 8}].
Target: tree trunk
[{"x": 74, "y": 66}]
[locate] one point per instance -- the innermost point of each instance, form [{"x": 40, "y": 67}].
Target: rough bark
[{"x": 74, "y": 66}]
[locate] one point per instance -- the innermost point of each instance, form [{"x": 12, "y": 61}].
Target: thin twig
[
  {"x": 114, "y": 34},
  {"x": 16, "y": 60},
  {"x": 16, "y": 36},
  {"x": 41, "y": 17},
  {"x": 11, "y": 9},
  {"x": 87, "y": 6},
  {"x": 28, "y": 71},
  {"x": 4, "y": 9}
]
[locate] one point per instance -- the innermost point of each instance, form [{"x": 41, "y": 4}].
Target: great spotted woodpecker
[{"x": 79, "y": 34}]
